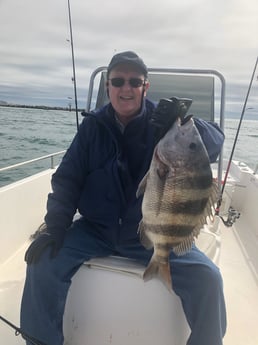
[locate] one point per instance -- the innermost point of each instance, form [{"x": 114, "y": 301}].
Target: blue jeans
[{"x": 196, "y": 280}]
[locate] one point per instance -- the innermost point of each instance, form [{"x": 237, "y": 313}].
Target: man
[{"x": 99, "y": 176}]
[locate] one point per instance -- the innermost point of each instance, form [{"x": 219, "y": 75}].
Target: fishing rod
[
  {"x": 235, "y": 141},
  {"x": 19, "y": 331},
  {"x": 74, "y": 75}
]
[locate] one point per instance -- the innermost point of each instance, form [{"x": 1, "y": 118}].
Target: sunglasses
[{"x": 133, "y": 82}]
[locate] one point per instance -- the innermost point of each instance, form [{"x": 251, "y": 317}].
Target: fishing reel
[{"x": 233, "y": 215}]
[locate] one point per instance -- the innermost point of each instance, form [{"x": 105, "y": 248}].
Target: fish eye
[{"x": 192, "y": 146}]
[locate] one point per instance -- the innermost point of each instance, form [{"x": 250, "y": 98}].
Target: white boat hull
[{"x": 107, "y": 306}]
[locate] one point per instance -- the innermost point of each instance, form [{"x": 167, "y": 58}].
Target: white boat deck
[{"x": 239, "y": 267}]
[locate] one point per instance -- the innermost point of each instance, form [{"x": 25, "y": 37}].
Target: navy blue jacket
[{"x": 101, "y": 170}]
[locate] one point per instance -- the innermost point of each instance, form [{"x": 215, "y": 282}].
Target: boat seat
[{"x": 109, "y": 302}]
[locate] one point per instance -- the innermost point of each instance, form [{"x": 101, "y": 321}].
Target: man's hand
[{"x": 41, "y": 242}]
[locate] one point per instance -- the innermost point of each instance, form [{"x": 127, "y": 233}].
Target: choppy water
[{"x": 29, "y": 133}]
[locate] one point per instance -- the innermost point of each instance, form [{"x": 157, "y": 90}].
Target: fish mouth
[{"x": 186, "y": 119}]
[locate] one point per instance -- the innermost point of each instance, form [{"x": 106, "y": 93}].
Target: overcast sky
[{"x": 35, "y": 57}]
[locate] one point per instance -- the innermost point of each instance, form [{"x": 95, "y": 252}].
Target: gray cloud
[{"x": 35, "y": 57}]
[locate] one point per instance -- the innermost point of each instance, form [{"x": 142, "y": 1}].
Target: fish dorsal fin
[
  {"x": 185, "y": 246},
  {"x": 209, "y": 209}
]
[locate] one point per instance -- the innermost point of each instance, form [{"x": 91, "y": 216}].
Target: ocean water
[
  {"x": 30, "y": 133},
  {"x": 27, "y": 133}
]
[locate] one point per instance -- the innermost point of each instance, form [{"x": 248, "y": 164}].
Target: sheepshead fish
[{"x": 179, "y": 193}]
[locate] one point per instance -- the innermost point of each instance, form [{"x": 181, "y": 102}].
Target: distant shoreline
[{"x": 44, "y": 107}]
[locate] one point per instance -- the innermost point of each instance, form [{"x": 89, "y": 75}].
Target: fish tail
[{"x": 161, "y": 270}]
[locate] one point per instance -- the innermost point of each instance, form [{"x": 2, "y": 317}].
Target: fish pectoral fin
[
  {"x": 160, "y": 270},
  {"x": 162, "y": 170},
  {"x": 142, "y": 186}
]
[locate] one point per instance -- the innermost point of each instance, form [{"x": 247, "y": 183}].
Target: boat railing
[{"x": 50, "y": 156}]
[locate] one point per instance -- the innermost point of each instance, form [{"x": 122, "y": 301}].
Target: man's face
[{"x": 126, "y": 99}]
